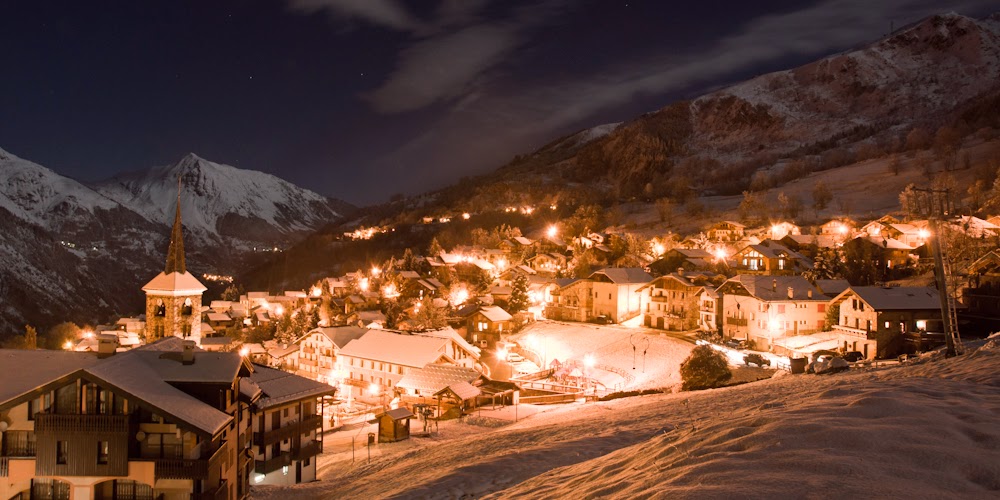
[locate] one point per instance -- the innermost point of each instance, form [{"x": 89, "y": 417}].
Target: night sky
[{"x": 361, "y": 99}]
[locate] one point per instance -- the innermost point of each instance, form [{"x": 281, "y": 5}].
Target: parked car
[
  {"x": 736, "y": 344},
  {"x": 756, "y": 359},
  {"x": 513, "y": 357},
  {"x": 853, "y": 356},
  {"x": 601, "y": 320}
]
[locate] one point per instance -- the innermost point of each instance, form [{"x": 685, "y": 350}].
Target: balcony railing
[
  {"x": 307, "y": 361},
  {"x": 660, "y": 298},
  {"x": 188, "y": 468},
  {"x": 308, "y": 451},
  {"x": 288, "y": 431},
  {"x": 4, "y": 466},
  {"x": 45, "y": 422},
  {"x": 308, "y": 350},
  {"x": 268, "y": 466},
  {"x": 736, "y": 321}
]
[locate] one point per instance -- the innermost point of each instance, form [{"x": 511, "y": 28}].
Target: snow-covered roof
[
  {"x": 832, "y": 287},
  {"x": 624, "y": 275},
  {"x": 898, "y": 298},
  {"x": 463, "y": 390},
  {"x": 339, "y": 335},
  {"x": 433, "y": 378},
  {"x": 406, "y": 350},
  {"x": 775, "y": 288},
  {"x": 495, "y": 313},
  {"x": 175, "y": 284},
  {"x": 280, "y": 387},
  {"x": 221, "y": 317}
]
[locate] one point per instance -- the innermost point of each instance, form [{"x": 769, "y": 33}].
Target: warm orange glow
[{"x": 552, "y": 231}]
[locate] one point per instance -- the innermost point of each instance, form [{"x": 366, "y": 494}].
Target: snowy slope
[
  {"x": 221, "y": 200},
  {"x": 923, "y": 431},
  {"x": 40, "y": 196}
]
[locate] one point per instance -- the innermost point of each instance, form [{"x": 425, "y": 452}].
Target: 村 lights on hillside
[
  {"x": 466, "y": 216},
  {"x": 552, "y": 231},
  {"x": 459, "y": 296},
  {"x": 376, "y": 271}
]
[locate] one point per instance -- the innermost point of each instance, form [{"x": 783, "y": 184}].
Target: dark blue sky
[{"x": 360, "y": 99}]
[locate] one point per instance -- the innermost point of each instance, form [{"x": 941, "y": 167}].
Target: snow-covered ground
[
  {"x": 618, "y": 365},
  {"x": 929, "y": 430}
]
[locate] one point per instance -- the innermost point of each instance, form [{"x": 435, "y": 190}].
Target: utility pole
[{"x": 935, "y": 205}]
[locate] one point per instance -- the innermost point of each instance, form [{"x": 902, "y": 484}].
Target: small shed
[
  {"x": 462, "y": 394},
  {"x": 394, "y": 425}
]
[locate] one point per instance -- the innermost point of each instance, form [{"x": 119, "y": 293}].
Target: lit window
[
  {"x": 102, "y": 452},
  {"x": 284, "y": 470}
]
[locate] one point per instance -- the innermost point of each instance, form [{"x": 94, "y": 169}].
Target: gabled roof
[
  {"x": 409, "y": 275},
  {"x": 887, "y": 243},
  {"x": 659, "y": 281},
  {"x": 495, "y": 313},
  {"x": 399, "y": 414},
  {"x": 339, "y": 335},
  {"x": 692, "y": 253},
  {"x": 462, "y": 390},
  {"x": 280, "y": 387},
  {"x": 624, "y": 275},
  {"x": 899, "y": 298},
  {"x": 832, "y": 288},
  {"x": 27, "y": 370},
  {"x": 406, "y": 350},
  {"x": 433, "y": 378},
  {"x": 775, "y": 288},
  {"x": 522, "y": 240}
]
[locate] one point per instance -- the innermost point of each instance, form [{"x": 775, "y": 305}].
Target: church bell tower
[{"x": 173, "y": 297}]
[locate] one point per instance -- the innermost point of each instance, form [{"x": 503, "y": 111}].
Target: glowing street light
[
  {"x": 68, "y": 345},
  {"x": 363, "y": 284},
  {"x": 552, "y": 231},
  {"x": 279, "y": 310},
  {"x": 466, "y": 215},
  {"x": 502, "y": 353},
  {"x": 376, "y": 271},
  {"x": 88, "y": 334},
  {"x": 244, "y": 351},
  {"x": 390, "y": 291},
  {"x": 658, "y": 249},
  {"x": 316, "y": 291},
  {"x": 374, "y": 389},
  {"x": 720, "y": 254},
  {"x": 924, "y": 234},
  {"x": 589, "y": 361}
]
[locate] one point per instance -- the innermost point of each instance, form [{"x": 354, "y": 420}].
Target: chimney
[
  {"x": 680, "y": 271},
  {"x": 791, "y": 293},
  {"x": 187, "y": 352},
  {"x": 774, "y": 285},
  {"x": 809, "y": 293},
  {"x": 107, "y": 344}
]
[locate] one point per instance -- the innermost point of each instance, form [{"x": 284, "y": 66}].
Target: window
[
  {"x": 285, "y": 413},
  {"x": 62, "y": 451},
  {"x": 31, "y": 409},
  {"x": 102, "y": 452},
  {"x": 821, "y": 308}
]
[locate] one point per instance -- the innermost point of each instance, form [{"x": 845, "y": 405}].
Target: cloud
[
  {"x": 385, "y": 13},
  {"x": 459, "y": 51}
]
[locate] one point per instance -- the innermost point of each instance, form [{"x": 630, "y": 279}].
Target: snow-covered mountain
[
  {"x": 222, "y": 201},
  {"x": 70, "y": 252}
]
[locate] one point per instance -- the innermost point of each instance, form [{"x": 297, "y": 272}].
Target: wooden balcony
[
  {"x": 308, "y": 450},
  {"x": 288, "y": 431},
  {"x": 267, "y": 466},
  {"x": 736, "y": 321},
  {"x": 4, "y": 466},
  {"x": 187, "y": 468},
  {"x": 306, "y": 361},
  {"x": 660, "y": 298},
  {"x": 308, "y": 350},
  {"x": 86, "y": 424}
]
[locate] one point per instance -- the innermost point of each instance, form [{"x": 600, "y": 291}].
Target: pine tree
[
  {"x": 30, "y": 337},
  {"x": 435, "y": 248},
  {"x": 518, "y": 294}
]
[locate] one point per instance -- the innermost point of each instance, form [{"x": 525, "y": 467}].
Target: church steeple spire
[{"x": 175, "y": 254}]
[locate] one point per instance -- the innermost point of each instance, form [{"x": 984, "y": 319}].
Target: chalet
[
  {"x": 161, "y": 421},
  {"x": 610, "y": 292},
  {"x": 548, "y": 264},
  {"x": 770, "y": 257},
  {"x": 708, "y": 310},
  {"x": 761, "y": 308},
  {"x": 394, "y": 425},
  {"x": 885, "y": 253},
  {"x": 982, "y": 295},
  {"x": 381, "y": 358},
  {"x": 909, "y": 234},
  {"x": 683, "y": 258},
  {"x": 840, "y": 228},
  {"x": 671, "y": 302},
  {"x": 726, "y": 231},
  {"x": 287, "y": 420},
  {"x": 885, "y": 321},
  {"x": 779, "y": 230},
  {"x": 810, "y": 244},
  {"x": 318, "y": 351},
  {"x": 485, "y": 324}
]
